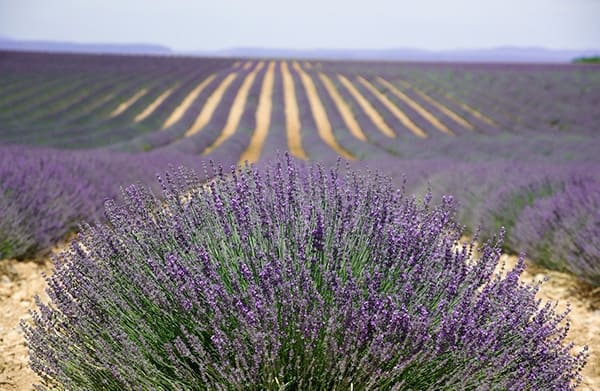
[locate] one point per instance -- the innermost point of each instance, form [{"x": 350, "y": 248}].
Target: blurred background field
[{"x": 516, "y": 144}]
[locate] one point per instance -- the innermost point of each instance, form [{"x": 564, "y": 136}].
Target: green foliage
[{"x": 587, "y": 60}]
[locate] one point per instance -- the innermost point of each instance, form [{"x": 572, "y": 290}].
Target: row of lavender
[
  {"x": 89, "y": 130},
  {"x": 549, "y": 210},
  {"x": 518, "y": 97},
  {"x": 374, "y": 142},
  {"x": 45, "y": 194},
  {"x": 548, "y": 205},
  {"x": 69, "y": 109},
  {"x": 44, "y": 103},
  {"x": 542, "y": 189}
]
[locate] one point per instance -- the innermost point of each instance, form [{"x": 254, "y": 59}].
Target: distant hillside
[
  {"x": 503, "y": 54},
  {"x": 70, "y": 47}
]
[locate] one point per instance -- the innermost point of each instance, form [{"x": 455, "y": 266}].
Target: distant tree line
[{"x": 587, "y": 60}]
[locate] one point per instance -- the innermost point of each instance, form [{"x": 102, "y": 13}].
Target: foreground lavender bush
[
  {"x": 290, "y": 277},
  {"x": 563, "y": 232}
]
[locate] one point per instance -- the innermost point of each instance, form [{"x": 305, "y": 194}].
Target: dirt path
[
  {"x": 185, "y": 104},
  {"x": 125, "y": 105},
  {"x": 451, "y": 114},
  {"x": 21, "y": 281},
  {"x": 343, "y": 108},
  {"x": 263, "y": 117},
  {"x": 210, "y": 105},
  {"x": 320, "y": 114},
  {"x": 584, "y": 316},
  {"x": 364, "y": 103},
  {"x": 150, "y": 109},
  {"x": 414, "y": 105},
  {"x": 292, "y": 114},
  {"x": 237, "y": 109},
  {"x": 247, "y": 65}
]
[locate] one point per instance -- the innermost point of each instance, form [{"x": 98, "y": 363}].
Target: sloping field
[
  {"x": 515, "y": 145},
  {"x": 125, "y": 103}
]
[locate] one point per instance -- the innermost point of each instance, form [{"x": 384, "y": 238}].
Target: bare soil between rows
[{"x": 20, "y": 281}]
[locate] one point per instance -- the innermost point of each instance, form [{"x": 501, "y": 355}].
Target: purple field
[
  {"x": 498, "y": 147},
  {"x": 486, "y": 133}
]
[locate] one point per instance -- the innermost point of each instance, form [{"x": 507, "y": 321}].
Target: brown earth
[
  {"x": 263, "y": 118},
  {"x": 320, "y": 114},
  {"x": 152, "y": 106},
  {"x": 383, "y": 98},
  {"x": 237, "y": 109},
  {"x": 21, "y": 281},
  {"x": 414, "y": 105},
  {"x": 292, "y": 114},
  {"x": 185, "y": 104},
  {"x": 366, "y": 106},
  {"x": 584, "y": 316},
  {"x": 125, "y": 105},
  {"x": 344, "y": 109},
  {"x": 211, "y": 105}
]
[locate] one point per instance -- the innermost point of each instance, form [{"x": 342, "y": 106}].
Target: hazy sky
[{"x": 187, "y": 25}]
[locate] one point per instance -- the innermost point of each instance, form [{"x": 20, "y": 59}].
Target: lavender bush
[
  {"x": 290, "y": 277},
  {"x": 563, "y": 232},
  {"x": 46, "y": 193}
]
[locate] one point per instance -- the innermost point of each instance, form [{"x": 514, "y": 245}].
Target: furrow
[
  {"x": 320, "y": 114},
  {"x": 367, "y": 107},
  {"x": 141, "y": 116},
  {"x": 292, "y": 114},
  {"x": 451, "y": 114},
  {"x": 180, "y": 110},
  {"x": 125, "y": 105},
  {"x": 211, "y": 104},
  {"x": 263, "y": 117},
  {"x": 414, "y": 105},
  {"x": 343, "y": 108},
  {"x": 395, "y": 110},
  {"x": 237, "y": 110},
  {"x": 469, "y": 109},
  {"x": 361, "y": 149}
]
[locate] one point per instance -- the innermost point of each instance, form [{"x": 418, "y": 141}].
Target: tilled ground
[{"x": 21, "y": 281}]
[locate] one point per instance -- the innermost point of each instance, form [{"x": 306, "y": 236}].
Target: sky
[{"x": 200, "y": 25}]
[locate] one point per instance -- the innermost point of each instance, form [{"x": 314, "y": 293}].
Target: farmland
[{"x": 515, "y": 145}]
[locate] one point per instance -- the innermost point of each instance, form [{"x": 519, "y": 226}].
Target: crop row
[
  {"x": 158, "y": 107},
  {"x": 518, "y": 97},
  {"x": 190, "y": 110}
]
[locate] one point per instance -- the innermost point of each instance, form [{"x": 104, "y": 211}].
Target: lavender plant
[
  {"x": 290, "y": 277},
  {"x": 563, "y": 232},
  {"x": 46, "y": 193}
]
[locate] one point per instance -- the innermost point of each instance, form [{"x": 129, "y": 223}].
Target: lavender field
[{"x": 311, "y": 252}]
